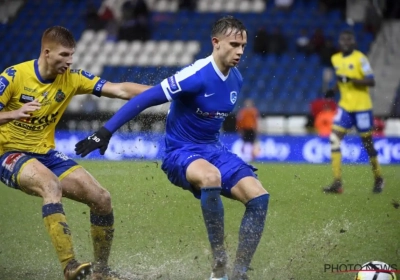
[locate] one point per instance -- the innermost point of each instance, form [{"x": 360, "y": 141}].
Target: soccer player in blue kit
[{"x": 202, "y": 95}]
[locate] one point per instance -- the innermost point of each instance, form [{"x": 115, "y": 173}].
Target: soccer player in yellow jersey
[
  {"x": 33, "y": 97},
  {"x": 354, "y": 77}
]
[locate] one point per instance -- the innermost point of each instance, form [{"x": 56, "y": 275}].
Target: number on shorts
[{"x": 363, "y": 121}]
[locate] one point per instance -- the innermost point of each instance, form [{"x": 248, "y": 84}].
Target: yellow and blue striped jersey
[
  {"x": 21, "y": 84},
  {"x": 356, "y": 65}
]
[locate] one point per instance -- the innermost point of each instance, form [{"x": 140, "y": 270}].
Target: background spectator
[
  {"x": 135, "y": 21},
  {"x": 326, "y": 52},
  {"x": 187, "y": 5},
  {"x": 276, "y": 42},
  {"x": 93, "y": 20},
  {"x": 284, "y": 4},
  {"x": 317, "y": 40},
  {"x": 247, "y": 126},
  {"x": 303, "y": 42},
  {"x": 324, "y": 120},
  {"x": 261, "y": 41}
]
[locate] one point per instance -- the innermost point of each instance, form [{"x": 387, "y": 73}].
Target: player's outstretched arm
[
  {"x": 367, "y": 81},
  {"x": 123, "y": 90},
  {"x": 100, "y": 139},
  {"x": 23, "y": 112}
]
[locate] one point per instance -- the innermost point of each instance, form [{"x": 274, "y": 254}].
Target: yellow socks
[
  {"x": 60, "y": 234},
  {"x": 376, "y": 168},
  {"x": 336, "y": 159},
  {"x": 102, "y": 231}
]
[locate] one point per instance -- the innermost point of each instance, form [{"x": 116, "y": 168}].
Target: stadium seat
[
  {"x": 296, "y": 125},
  {"x": 178, "y": 36},
  {"x": 392, "y": 127},
  {"x": 273, "y": 125}
]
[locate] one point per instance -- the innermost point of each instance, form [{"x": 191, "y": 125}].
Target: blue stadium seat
[{"x": 272, "y": 80}]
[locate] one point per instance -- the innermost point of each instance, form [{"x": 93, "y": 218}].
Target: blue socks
[
  {"x": 251, "y": 229},
  {"x": 213, "y": 214}
]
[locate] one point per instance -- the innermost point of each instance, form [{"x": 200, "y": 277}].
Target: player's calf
[
  {"x": 250, "y": 233},
  {"x": 239, "y": 276}
]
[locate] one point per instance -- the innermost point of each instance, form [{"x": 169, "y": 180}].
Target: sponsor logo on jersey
[
  {"x": 215, "y": 115},
  {"x": 29, "y": 89},
  {"x": 173, "y": 85},
  {"x": 11, "y": 72},
  {"x": 61, "y": 156},
  {"x": 24, "y": 98},
  {"x": 37, "y": 123},
  {"x": 99, "y": 85},
  {"x": 88, "y": 75},
  {"x": 60, "y": 96},
  {"x": 10, "y": 161},
  {"x": 3, "y": 84},
  {"x": 74, "y": 71},
  {"x": 1, "y": 106},
  {"x": 233, "y": 97}
]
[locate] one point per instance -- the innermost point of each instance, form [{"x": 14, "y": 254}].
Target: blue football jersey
[{"x": 202, "y": 97}]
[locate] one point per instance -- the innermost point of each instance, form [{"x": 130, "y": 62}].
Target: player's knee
[
  {"x": 335, "y": 141},
  {"x": 51, "y": 190},
  {"x": 211, "y": 179},
  {"x": 102, "y": 203}
]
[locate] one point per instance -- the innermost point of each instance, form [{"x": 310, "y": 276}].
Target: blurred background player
[
  {"x": 354, "y": 77},
  {"x": 247, "y": 126},
  {"x": 202, "y": 95},
  {"x": 33, "y": 97}
]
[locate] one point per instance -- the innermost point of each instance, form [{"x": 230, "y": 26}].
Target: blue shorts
[
  {"x": 362, "y": 120},
  {"x": 12, "y": 163},
  {"x": 232, "y": 168}
]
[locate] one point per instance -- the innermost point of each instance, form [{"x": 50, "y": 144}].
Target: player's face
[
  {"x": 59, "y": 58},
  {"x": 230, "y": 47},
  {"x": 347, "y": 42}
]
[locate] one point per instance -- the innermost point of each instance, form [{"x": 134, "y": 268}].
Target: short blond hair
[{"x": 59, "y": 35}]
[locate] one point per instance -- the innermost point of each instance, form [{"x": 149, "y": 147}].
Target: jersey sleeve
[
  {"x": 186, "y": 82},
  {"x": 365, "y": 67},
  {"x": 88, "y": 83},
  {"x": 6, "y": 86}
]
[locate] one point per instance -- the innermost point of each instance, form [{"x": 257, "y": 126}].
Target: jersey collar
[
  {"x": 43, "y": 81},
  {"x": 219, "y": 73},
  {"x": 343, "y": 55}
]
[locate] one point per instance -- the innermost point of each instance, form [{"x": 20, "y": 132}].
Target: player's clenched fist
[
  {"x": 98, "y": 140},
  {"x": 27, "y": 108}
]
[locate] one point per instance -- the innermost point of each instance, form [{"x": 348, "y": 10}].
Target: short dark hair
[
  {"x": 60, "y": 35},
  {"x": 222, "y": 25},
  {"x": 348, "y": 32}
]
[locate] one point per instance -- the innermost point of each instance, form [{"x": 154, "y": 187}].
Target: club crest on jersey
[
  {"x": 11, "y": 72},
  {"x": 351, "y": 66},
  {"x": 233, "y": 97},
  {"x": 60, "y": 96}
]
